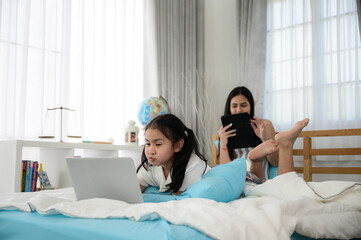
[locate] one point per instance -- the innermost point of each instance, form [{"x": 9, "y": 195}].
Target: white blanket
[{"x": 273, "y": 210}]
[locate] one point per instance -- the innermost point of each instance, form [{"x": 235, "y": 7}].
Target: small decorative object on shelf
[
  {"x": 44, "y": 179},
  {"x": 151, "y": 107},
  {"x": 131, "y": 133},
  {"x": 61, "y": 108}
]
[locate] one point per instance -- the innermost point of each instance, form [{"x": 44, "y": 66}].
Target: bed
[
  {"x": 286, "y": 207},
  {"x": 308, "y": 151}
]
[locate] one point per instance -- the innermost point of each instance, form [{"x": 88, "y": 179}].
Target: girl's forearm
[{"x": 223, "y": 155}]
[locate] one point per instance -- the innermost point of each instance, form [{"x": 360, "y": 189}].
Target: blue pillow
[
  {"x": 272, "y": 171},
  {"x": 155, "y": 190},
  {"x": 222, "y": 183},
  {"x": 152, "y": 194},
  {"x": 216, "y": 142},
  {"x": 156, "y": 197}
]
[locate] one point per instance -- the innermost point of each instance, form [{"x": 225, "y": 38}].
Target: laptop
[{"x": 113, "y": 178}]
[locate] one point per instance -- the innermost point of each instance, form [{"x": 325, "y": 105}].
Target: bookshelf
[{"x": 52, "y": 155}]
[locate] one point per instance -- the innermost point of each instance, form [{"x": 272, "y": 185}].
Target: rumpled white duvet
[{"x": 273, "y": 210}]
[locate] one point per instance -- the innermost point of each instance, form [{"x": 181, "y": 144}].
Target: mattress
[{"x": 16, "y": 224}]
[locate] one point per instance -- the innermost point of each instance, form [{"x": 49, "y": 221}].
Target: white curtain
[
  {"x": 358, "y": 3},
  {"x": 179, "y": 44},
  {"x": 314, "y": 62},
  {"x": 85, "y": 55},
  {"x": 252, "y": 48}
]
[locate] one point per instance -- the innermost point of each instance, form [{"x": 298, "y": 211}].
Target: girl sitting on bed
[
  {"x": 283, "y": 144},
  {"x": 170, "y": 159},
  {"x": 240, "y": 100}
]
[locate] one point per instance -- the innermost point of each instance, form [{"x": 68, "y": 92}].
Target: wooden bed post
[
  {"x": 307, "y": 159},
  {"x": 215, "y": 158}
]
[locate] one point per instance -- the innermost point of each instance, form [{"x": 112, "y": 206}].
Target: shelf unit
[{"x": 52, "y": 155}]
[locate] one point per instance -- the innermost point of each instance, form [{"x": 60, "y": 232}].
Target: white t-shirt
[{"x": 155, "y": 176}]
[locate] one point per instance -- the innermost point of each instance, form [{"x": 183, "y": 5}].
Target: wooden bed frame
[{"x": 307, "y": 152}]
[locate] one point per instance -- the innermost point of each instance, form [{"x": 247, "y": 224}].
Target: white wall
[{"x": 221, "y": 55}]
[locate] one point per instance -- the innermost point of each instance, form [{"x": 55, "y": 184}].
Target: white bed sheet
[{"x": 273, "y": 210}]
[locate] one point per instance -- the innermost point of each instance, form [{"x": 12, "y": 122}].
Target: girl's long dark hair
[
  {"x": 239, "y": 91},
  {"x": 174, "y": 129},
  {"x": 227, "y": 109}
]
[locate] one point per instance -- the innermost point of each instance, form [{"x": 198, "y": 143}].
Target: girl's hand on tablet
[
  {"x": 224, "y": 135},
  {"x": 258, "y": 128}
]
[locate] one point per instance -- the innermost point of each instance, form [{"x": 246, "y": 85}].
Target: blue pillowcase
[
  {"x": 272, "y": 171},
  {"x": 152, "y": 194},
  {"x": 155, "y": 190},
  {"x": 216, "y": 142},
  {"x": 155, "y": 197},
  {"x": 222, "y": 183}
]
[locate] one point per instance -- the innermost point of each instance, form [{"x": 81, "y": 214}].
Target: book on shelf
[
  {"x": 28, "y": 172},
  {"x": 35, "y": 176},
  {"x": 23, "y": 175},
  {"x": 29, "y": 175}
]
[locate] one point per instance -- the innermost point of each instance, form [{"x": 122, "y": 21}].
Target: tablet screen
[{"x": 245, "y": 136}]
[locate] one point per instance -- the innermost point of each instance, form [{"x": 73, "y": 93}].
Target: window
[
  {"x": 84, "y": 55},
  {"x": 313, "y": 62}
]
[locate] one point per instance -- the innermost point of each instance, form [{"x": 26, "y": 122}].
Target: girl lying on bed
[
  {"x": 283, "y": 143},
  {"x": 170, "y": 159}
]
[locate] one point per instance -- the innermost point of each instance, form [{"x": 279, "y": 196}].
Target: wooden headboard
[{"x": 307, "y": 152}]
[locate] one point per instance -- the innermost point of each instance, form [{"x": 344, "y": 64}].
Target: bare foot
[
  {"x": 262, "y": 150},
  {"x": 289, "y": 137}
]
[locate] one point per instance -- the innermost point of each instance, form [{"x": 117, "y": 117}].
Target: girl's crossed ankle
[{"x": 262, "y": 150}]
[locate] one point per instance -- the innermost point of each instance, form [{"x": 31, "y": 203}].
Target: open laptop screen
[{"x": 113, "y": 178}]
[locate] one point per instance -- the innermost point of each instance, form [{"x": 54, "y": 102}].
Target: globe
[{"x": 151, "y": 107}]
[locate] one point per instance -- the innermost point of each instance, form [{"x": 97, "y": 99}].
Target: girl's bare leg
[
  {"x": 257, "y": 169},
  {"x": 257, "y": 155},
  {"x": 285, "y": 141}
]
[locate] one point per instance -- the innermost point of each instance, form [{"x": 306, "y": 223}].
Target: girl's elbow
[{"x": 142, "y": 188}]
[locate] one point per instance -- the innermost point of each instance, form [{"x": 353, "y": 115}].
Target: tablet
[{"x": 245, "y": 136}]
